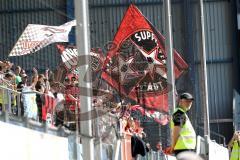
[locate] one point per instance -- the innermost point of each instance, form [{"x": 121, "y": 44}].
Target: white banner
[
  {"x": 35, "y": 37},
  {"x": 29, "y": 103}
]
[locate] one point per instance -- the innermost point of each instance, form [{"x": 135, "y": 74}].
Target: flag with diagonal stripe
[{"x": 35, "y": 37}]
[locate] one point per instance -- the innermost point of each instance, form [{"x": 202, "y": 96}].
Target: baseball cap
[{"x": 187, "y": 96}]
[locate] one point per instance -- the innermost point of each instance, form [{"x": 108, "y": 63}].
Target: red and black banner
[
  {"x": 69, "y": 56},
  {"x": 136, "y": 65}
]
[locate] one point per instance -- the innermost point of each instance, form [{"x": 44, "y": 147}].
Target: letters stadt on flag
[
  {"x": 136, "y": 65},
  {"x": 35, "y": 37}
]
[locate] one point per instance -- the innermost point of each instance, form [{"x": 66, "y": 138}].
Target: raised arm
[{"x": 234, "y": 137}]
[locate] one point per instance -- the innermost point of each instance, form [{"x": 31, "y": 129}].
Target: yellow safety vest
[
  {"x": 187, "y": 135},
  {"x": 235, "y": 151},
  {"x": 3, "y": 95}
]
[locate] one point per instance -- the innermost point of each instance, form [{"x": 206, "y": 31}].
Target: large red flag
[{"x": 136, "y": 67}]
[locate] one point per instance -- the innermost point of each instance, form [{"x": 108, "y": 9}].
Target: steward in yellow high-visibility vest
[
  {"x": 183, "y": 134},
  {"x": 234, "y": 146}
]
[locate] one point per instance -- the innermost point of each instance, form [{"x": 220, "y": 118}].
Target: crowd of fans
[
  {"x": 41, "y": 97},
  {"x": 46, "y": 100},
  {"x": 51, "y": 97}
]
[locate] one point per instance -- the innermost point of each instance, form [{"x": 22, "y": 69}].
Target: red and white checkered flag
[{"x": 35, "y": 37}]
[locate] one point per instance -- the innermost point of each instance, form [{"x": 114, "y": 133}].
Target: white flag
[{"x": 35, "y": 37}]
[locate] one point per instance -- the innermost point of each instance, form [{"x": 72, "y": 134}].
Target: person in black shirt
[{"x": 179, "y": 118}]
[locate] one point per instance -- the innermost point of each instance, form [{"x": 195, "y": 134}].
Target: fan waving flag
[
  {"x": 136, "y": 67},
  {"x": 35, "y": 37}
]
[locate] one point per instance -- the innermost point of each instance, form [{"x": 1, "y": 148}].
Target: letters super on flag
[
  {"x": 136, "y": 64},
  {"x": 35, "y": 37}
]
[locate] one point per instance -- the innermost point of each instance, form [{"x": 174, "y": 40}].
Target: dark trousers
[{"x": 39, "y": 105}]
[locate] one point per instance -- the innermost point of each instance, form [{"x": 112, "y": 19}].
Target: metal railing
[
  {"x": 220, "y": 136},
  {"x": 153, "y": 155},
  {"x": 105, "y": 126},
  {"x": 13, "y": 112}
]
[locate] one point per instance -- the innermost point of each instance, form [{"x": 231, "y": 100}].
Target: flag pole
[
  {"x": 204, "y": 85},
  {"x": 170, "y": 58},
  {"x": 83, "y": 47}
]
